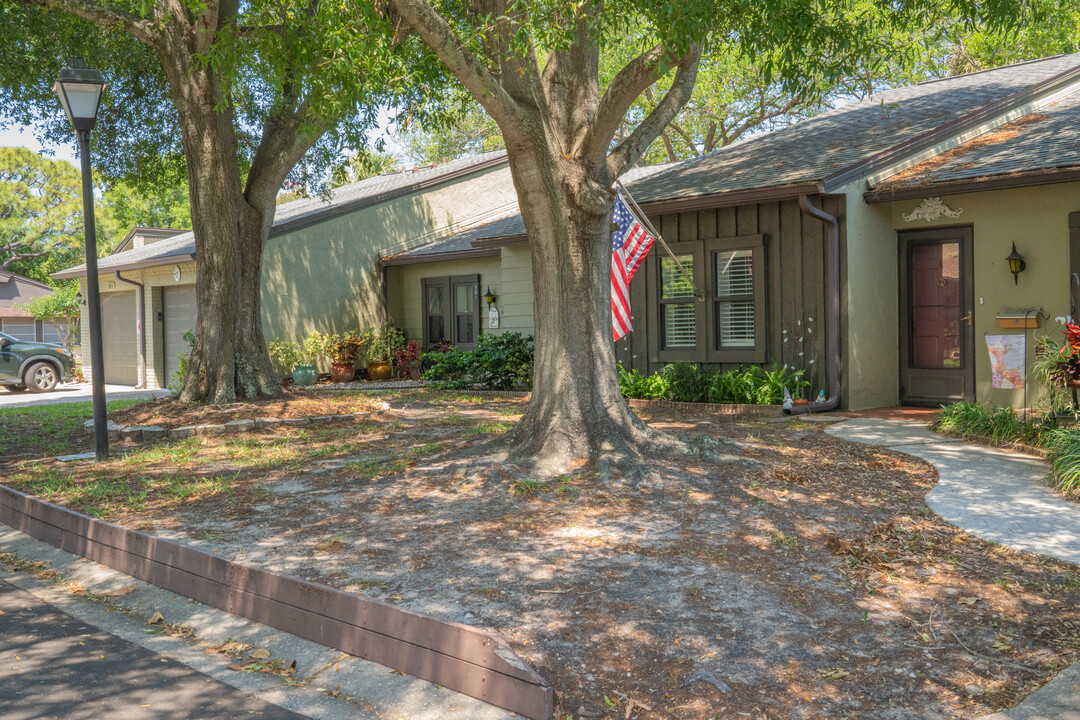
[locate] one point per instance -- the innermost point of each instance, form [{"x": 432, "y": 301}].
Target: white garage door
[
  {"x": 118, "y": 336},
  {"x": 21, "y": 328},
  {"x": 179, "y": 317}
]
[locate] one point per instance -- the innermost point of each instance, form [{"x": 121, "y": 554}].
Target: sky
[{"x": 19, "y": 136}]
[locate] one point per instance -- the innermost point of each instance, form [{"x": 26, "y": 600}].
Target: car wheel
[
  {"x": 15, "y": 388},
  {"x": 41, "y": 377}
]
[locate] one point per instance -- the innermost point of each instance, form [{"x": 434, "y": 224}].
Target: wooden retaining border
[{"x": 455, "y": 656}]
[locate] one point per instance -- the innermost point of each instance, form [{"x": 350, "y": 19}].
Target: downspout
[
  {"x": 140, "y": 300},
  {"x": 383, "y": 311},
  {"x": 833, "y": 292}
]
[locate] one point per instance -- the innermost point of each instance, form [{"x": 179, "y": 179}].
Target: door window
[{"x": 935, "y": 306}]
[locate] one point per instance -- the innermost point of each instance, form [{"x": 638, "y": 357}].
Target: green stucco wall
[
  {"x": 869, "y": 309},
  {"x": 1037, "y": 220},
  {"x": 325, "y": 277}
]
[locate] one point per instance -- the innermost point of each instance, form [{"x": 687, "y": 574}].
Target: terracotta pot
[
  {"x": 380, "y": 370},
  {"x": 342, "y": 372},
  {"x": 304, "y": 375},
  {"x": 800, "y": 401}
]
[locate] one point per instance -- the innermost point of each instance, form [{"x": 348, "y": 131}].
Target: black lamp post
[{"x": 79, "y": 89}]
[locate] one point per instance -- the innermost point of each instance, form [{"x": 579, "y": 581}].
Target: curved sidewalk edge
[
  {"x": 994, "y": 494},
  {"x": 998, "y": 496},
  {"x": 459, "y": 657}
]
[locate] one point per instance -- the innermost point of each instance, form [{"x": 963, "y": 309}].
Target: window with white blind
[
  {"x": 678, "y": 311},
  {"x": 733, "y": 299}
]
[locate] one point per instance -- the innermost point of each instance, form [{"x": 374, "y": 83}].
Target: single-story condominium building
[
  {"x": 868, "y": 246},
  {"x": 320, "y": 266},
  {"x": 15, "y": 290}
]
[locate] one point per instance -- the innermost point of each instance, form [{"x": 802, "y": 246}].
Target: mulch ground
[{"x": 792, "y": 575}]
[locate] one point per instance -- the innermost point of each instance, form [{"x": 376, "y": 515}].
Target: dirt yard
[{"x": 792, "y": 575}]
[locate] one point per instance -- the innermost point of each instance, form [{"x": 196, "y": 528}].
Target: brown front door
[{"x": 937, "y": 336}]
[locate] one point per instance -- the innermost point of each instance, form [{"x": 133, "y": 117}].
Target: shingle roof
[
  {"x": 299, "y": 212},
  {"x": 507, "y": 227},
  {"x": 1047, "y": 139},
  {"x": 815, "y": 149}
]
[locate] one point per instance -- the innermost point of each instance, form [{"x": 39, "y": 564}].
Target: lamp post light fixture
[
  {"x": 1016, "y": 264},
  {"x": 79, "y": 89}
]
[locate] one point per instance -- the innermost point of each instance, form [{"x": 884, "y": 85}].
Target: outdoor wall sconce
[
  {"x": 1016, "y": 264},
  {"x": 79, "y": 298},
  {"x": 489, "y": 297}
]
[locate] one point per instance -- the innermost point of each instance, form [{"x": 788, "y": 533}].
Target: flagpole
[{"x": 648, "y": 226}]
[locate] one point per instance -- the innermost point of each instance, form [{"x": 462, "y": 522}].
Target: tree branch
[
  {"x": 635, "y": 78},
  {"x": 441, "y": 38},
  {"x": 25, "y": 256},
  {"x": 629, "y": 150},
  {"x": 141, "y": 28}
]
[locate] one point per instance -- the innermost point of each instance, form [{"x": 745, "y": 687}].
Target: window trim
[
  {"x": 695, "y": 354},
  {"x": 450, "y": 311},
  {"x": 756, "y": 354}
]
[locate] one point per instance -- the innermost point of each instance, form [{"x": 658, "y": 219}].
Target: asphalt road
[{"x": 54, "y": 666}]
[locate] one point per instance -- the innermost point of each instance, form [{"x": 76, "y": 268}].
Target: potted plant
[
  {"x": 1057, "y": 367},
  {"x": 381, "y": 351},
  {"x": 407, "y": 361},
  {"x": 344, "y": 349},
  {"x": 312, "y": 350},
  {"x": 285, "y": 355}
]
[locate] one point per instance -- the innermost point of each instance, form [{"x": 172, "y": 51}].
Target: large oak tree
[
  {"x": 241, "y": 91},
  {"x": 535, "y": 67}
]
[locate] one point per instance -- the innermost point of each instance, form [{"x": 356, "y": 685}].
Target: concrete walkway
[
  {"x": 995, "y": 494},
  {"x": 999, "y": 496}
]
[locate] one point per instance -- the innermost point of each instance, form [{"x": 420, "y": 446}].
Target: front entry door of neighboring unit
[{"x": 937, "y": 335}]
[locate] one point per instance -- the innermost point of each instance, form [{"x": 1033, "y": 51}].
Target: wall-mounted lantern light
[
  {"x": 1016, "y": 264},
  {"x": 79, "y": 299},
  {"x": 489, "y": 297}
]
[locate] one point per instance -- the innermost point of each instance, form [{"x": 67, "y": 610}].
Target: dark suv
[{"x": 37, "y": 366}]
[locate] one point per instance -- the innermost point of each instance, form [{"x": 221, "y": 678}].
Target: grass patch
[
  {"x": 48, "y": 428},
  {"x": 491, "y": 428},
  {"x": 526, "y": 488}
]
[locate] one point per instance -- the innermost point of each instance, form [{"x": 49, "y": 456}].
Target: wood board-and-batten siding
[{"x": 795, "y": 248}]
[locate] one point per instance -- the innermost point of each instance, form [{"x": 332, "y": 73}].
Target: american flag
[{"x": 629, "y": 246}]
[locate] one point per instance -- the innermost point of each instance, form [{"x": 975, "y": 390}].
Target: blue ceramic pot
[{"x": 304, "y": 375}]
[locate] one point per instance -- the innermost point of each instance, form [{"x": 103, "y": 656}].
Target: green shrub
[
  {"x": 687, "y": 382},
  {"x": 962, "y": 418},
  {"x": 285, "y": 356},
  {"x": 1064, "y": 459},
  {"x": 754, "y": 385},
  {"x": 499, "y": 362},
  {"x": 1003, "y": 425},
  {"x": 633, "y": 384},
  {"x": 503, "y": 362}
]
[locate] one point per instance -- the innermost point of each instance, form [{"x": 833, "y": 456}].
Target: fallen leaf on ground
[
  {"x": 155, "y": 618},
  {"x": 833, "y": 674},
  {"x": 967, "y": 600},
  {"x": 126, "y": 590},
  {"x": 260, "y": 653}
]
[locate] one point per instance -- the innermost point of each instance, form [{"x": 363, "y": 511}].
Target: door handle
[{"x": 967, "y": 317}]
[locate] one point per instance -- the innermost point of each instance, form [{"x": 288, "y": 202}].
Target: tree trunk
[
  {"x": 229, "y": 360},
  {"x": 576, "y": 411}
]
